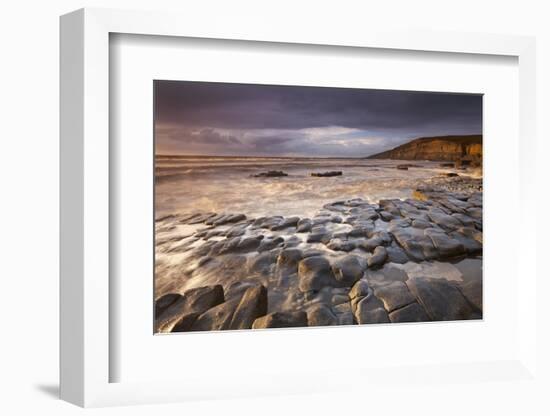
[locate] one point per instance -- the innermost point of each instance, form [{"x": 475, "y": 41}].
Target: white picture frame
[{"x": 85, "y": 211}]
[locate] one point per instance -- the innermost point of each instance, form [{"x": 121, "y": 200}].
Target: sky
[{"x": 207, "y": 118}]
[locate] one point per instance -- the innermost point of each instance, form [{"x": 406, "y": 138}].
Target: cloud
[{"x": 194, "y": 117}]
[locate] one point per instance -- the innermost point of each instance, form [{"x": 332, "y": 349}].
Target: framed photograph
[{"x": 246, "y": 206}]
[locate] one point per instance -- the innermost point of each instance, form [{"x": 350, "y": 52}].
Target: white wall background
[{"x": 29, "y": 205}]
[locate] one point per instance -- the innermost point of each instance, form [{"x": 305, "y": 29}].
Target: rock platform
[{"x": 354, "y": 262}]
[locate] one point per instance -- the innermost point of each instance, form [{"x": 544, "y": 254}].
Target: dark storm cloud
[{"x": 234, "y": 115}]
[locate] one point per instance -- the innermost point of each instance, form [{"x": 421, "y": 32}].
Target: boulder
[
  {"x": 369, "y": 310},
  {"x": 288, "y": 259},
  {"x": 416, "y": 244},
  {"x": 195, "y": 300},
  {"x": 348, "y": 269},
  {"x": 327, "y": 174},
  {"x": 263, "y": 263},
  {"x": 378, "y": 258},
  {"x": 359, "y": 290},
  {"x": 338, "y": 299},
  {"x": 396, "y": 255},
  {"x": 281, "y": 320},
  {"x": 394, "y": 295},
  {"x": 253, "y": 304},
  {"x": 247, "y": 244},
  {"x": 385, "y": 216},
  {"x": 315, "y": 273},
  {"x": 346, "y": 318},
  {"x": 185, "y": 322},
  {"x": 445, "y": 245},
  {"x": 473, "y": 291},
  {"x": 319, "y": 234},
  {"x": 165, "y": 301},
  {"x": 337, "y": 244},
  {"x": 372, "y": 243},
  {"x": 269, "y": 243},
  {"x": 321, "y": 315},
  {"x": 447, "y": 222},
  {"x": 440, "y": 298},
  {"x": 422, "y": 224},
  {"x": 304, "y": 225},
  {"x": 410, "y": 313},
  {"x": 271, "y": 174},
  {"x": 286, "y": 223},
  {"x": 217, "y": 318}
]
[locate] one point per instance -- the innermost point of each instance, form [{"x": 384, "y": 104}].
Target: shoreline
[{"x": 354, "y": 262}]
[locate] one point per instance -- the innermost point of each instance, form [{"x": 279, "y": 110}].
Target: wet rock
[
  {"x": 217, "y": 318},
  {"x": 195, "y": 300},
  {"x": 447, "y": 222},
  {"x": 378, "y": 258},
  {"x": 396, "y": 224},
  {"x": 229, "y": 219},
  {"x": 410, "y": 313},
  {"x": 213, "y": 219},
  {"x": 288, "y": 259},
  {"x": 396, "y": 255},
  {"x": 201, "y": 218},
  {"x": 271, "y": 174},
  {"x": 315, "y": 273},
  {"x": 361, "y": 230},
  {"x": 312, "y": 252},
  {"x": 339, "y": 299},
  {"x": 471, "y": 246},
  {"x": 236, "y": 230},
  {"x": 269, "y": 222},
  {"x": 473, "y": 291},
  {"x": 370, "y": 310},
  {"x": 292, "y": 241},
  {"x": 342, "y": 308},
  {"x": 341, "y": 245},
  {"x": 253, "y": 304},
  {"x": 476, "y": 213},
  {"x": 359, "y": 290},
  {"x": 388, "y": 274},
  {"x": 185, "y": 322},
  {"x": 385, "y": 216},
  {"x": 416, "y": 244},
  {"x": 440, "y": 298},
  {"x": 286, "y": 223},
  {"x": 234, "y": 263},
  {"x": 422, "y": 224},
  {"x": 464, "y": 219},
  {"x": 247, "y": 244},
  {"x": 203, "y": 261},
  {"x": 237, "y": 289},
  {"x": 319, "y": 235},
  {"x": 394, "y": 296},
  {"x": 445, "y": 245},
  {"x": 304, "y": 225},
  {"x": 165, "y": 301},
  {"x": 270, "y": 243},
  {"x": 230, "y": 245},
  {"x": 281, "y": 320},
  {"x": 346, "y": 319},
  {"x": 321, "y": 315},
  {"x": 380, "y": 238},
  {"x": 263, "y": 263},
  {"x": 327, "y": 174},
  {"x": 348, "y": 269}
]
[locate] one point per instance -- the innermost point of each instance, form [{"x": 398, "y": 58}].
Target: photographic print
[{"x": 296, "y": 206}]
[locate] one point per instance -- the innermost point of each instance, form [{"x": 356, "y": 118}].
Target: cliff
[{"x": 451, "y": 148}]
